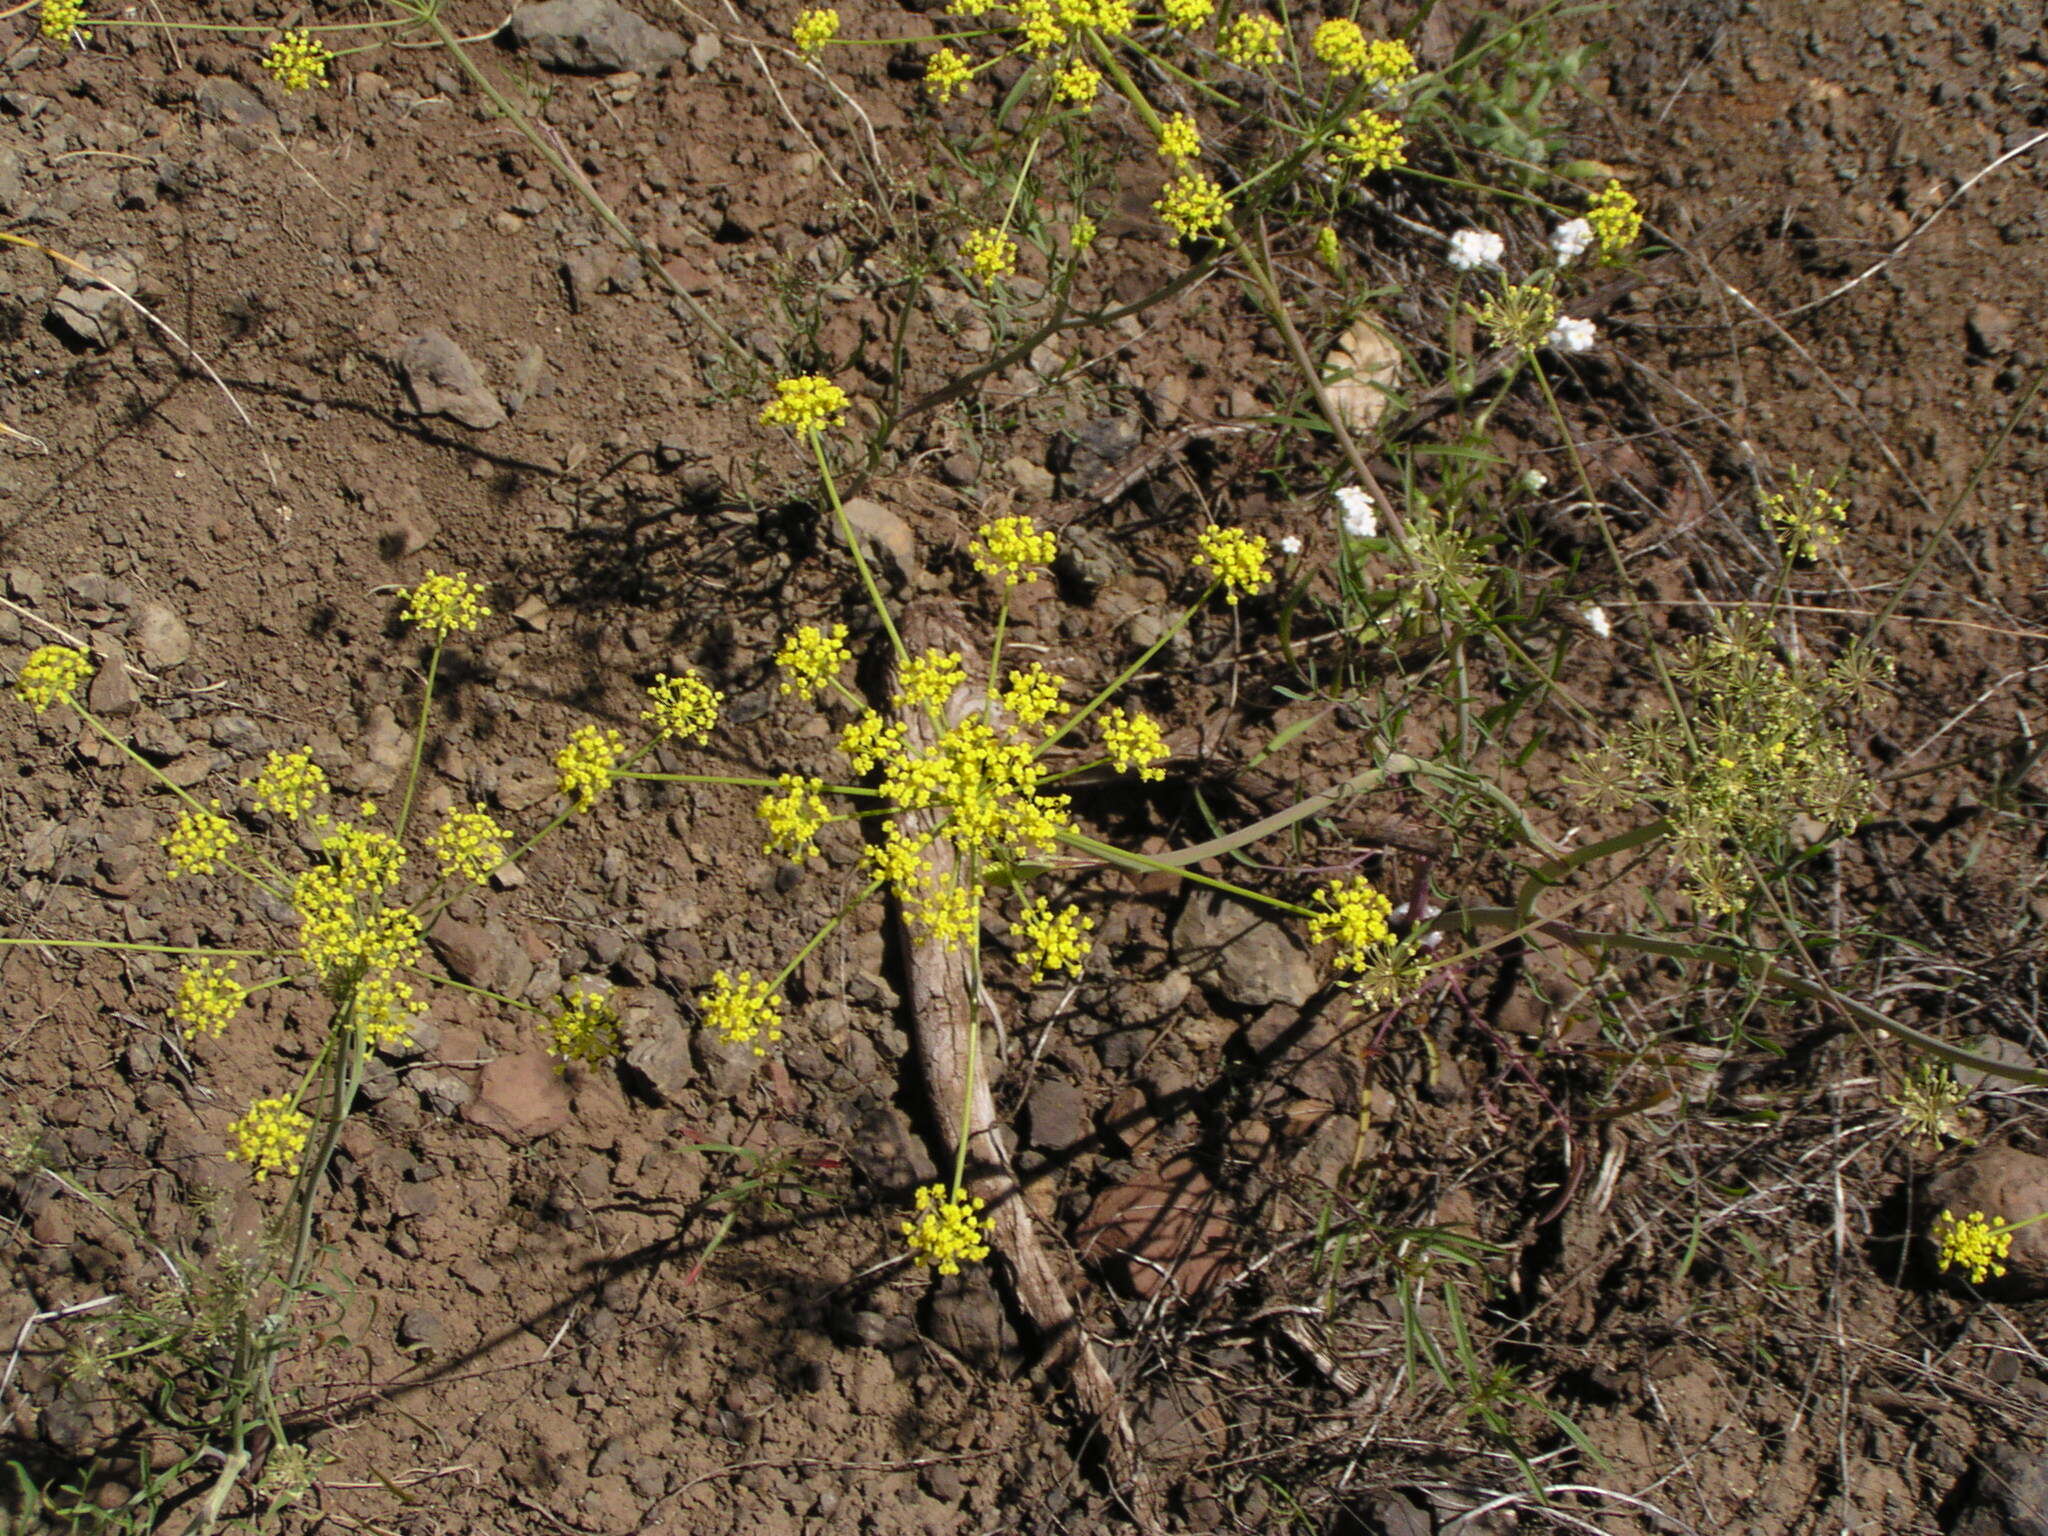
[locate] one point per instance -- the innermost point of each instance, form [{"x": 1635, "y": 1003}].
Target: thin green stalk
[
  {"x": 860, "y": 559},
  {"x": 1128, "y": 673},
  {"x": 419, "y": 739}
]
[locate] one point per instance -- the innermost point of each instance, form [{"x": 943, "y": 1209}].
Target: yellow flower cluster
[
  {"x": 1371, "y": 142},
  {"x": 586, "y": 767},
  {"x": 945, "y": 72},
  {"x": 1041, "y": 30},
  {"x": 200, "y": 842},
  {"x": 949, "y": 1230},
  {"x": 1112, "y": 18},
  {"x": 1976, "y": 1244},
  {"x": 929, "y": 678},
  {"x": 1032, "y": 696},
  {"x": 364, "y": 860},
  {"x": 298, "y": 61},
  {"x": 270, "y": 1138},
  {"x": 446, "y": 605},
  {"x": 1053, "y": 940},
  {"x": 1388, "y": 63},
  {"x": 53, "y": 674},
  {"x": 1250, "y": 41},
  {"x": 1341, "y": 45},
  {"x": 62, "y": 20},
  {"x": 585, "y": 1028},
  {"x": 682, "y": 707},
  {"x": 1014, "y": 550},
  {"x": 385, "y": 1008},
  {"x": 870, "y": 739},
  {"x": 1808, "y": 518},
  {"x": 1133, "y": 741},
  {"x": 208, "y": 997},
  {"x": 988, "y": 786},
  {"x": 1083, "y": 233},
  {"x": 808, "y": 403},
  {"x": 469, "y": 845},
  {"x": 1237, "y": 558},
  {"x": 989, "y": 253},
  {"x": 743, "y": 1011},
  {"x": 813, "y": 30},
  {"x": 288, "y": 784},
  {"x": 1187, "y": 15},
  {"x": 1616, "y": 219},
  {"x": 1519, "y": 316},
  {"x": 1179, "y": 140},
  {"x": 1192, "y": 205},
  {"x": 810, "y": 659},
  {"x": 1354, "y": 915},
  {"x": 1076, "y": 83},
  {"x": 794, "y": 816},
  {"x": 1328, "y": 252}
]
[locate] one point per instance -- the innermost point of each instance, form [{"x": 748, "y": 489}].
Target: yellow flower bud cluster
[
  {"x": 62, "y": 20},
  {"x": 808, "y": 403},
  {"x": 586, "y": 767},
  {"x": 1237, "y": 559},
  {"x": 1250, "y": 41},
  {"x": 585, "y": 1028},
  {"x": 53, "y": 674},
  {"x": 813, "y": 30},
  {"x": 1053, "y": 940},
  {"x": 208, "y": 997},
  {"x": 1134, "y": 741},
  {"x": 298, "y": 61},
  {"x": 795, "y": 816},
  {"x": 809, "y": 659},
  {"x": 200, "y": 842},
  {"x": 1013, "y": 550},
  {"x": 1354, "y": 916},
  {"x": 1372, "y": 141},
  {"x": 1976, "y": 1244},
  {"x": 446, "y": 605},
  {"x": 945, "y": 72},
  {"x": 1193, "y": 205},
  {"x": 288, "y": 785},
  {"x": 949, "y": 1229},
  {"x": 1616, "y": 218},
  {"x": 682, "y": 707},
  {"x": 742, "y": 1011},
  {"x": 270, "y": 1138},
  {"x": 990, "y": 254},
  {"x": 1179, "y": 140},
  {"x": 468, "y": 845}
]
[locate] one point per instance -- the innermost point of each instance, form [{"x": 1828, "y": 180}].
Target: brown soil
[{"x": 525, "y": 1333}]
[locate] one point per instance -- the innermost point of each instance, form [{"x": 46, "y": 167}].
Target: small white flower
[
  {"x": 1472, "y": 249},
  {"x": 1290, "y": 545},
  {"x": 1596, "y": 621},
  {"x": 1534, "y": 482},
  {"x": 1359, "y": 520},
  {"x": 1571, "y": 334},
  {"x": 1570, "y": 240}
]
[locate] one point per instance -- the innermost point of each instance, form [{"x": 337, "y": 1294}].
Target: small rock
[
  {"x": 1991, "y": 330},
  {"x": 1030, "y": 477},
  {"x": 593, "y": 37},
  {"x": 421, "y": 1328},
  {"x": 161, "y": 637},
  {"x": 1057, "y": 1114},
  {"x": 526, "y": 374},
  {"x": 407, "y": 534},
  {"x": 2008, "y": 1497},
  {"x": 89, "y": 313},
  {"x": 444, "y": 382},
  {"x": 1246, "y": 959},
  {"x": 521, "y": 1097},
  {"x": 2007, "y": 1185},
  {"x": 1096, "y": 447},
  {"x": 1160, "y": 1229},
  {"x": 884, "y": 537},
  {"x": 883, "y": 1146},
  {"x": 1088, "y": 560},
  {"x": 224, "y": 99},
  {"x": 705, "y": 50},
  {"x": 482, "y": 955},
  {"x": 112, "y": 692},
  {"x": 445, "y": 1093},
  {"x": 964, "y": 1314}
]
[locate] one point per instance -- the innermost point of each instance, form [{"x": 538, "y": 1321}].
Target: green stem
[
  {"x": 860, "y": 559},
  {"x": 1128, "y": 673},
  {"x": 845, "y": 911},
  {"x": 1560, "y": 869},
  {"x": 139, "y": 948},
  {"x": 1123, "y": 858},
  {"x": 156, "y": 773},
  {"x": 419, "y": 739}
]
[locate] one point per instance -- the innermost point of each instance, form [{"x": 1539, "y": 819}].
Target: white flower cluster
[
  {"x": 1472, "y": 249},
  {"x": 1359, "y": 519}
]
